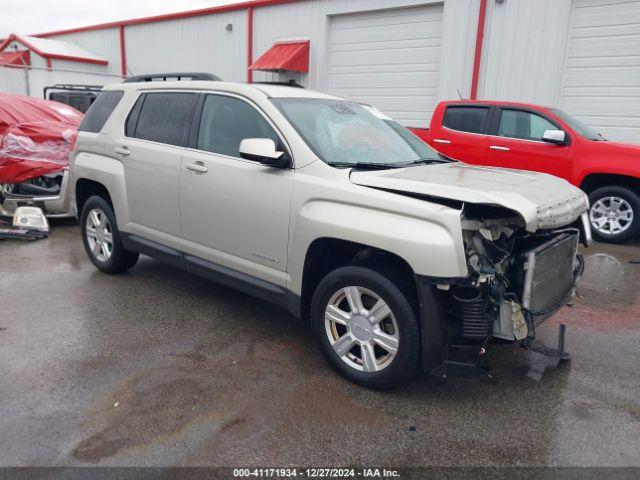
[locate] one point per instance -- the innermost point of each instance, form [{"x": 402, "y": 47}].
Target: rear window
[
  {"x": 164, "y": 117},
  {"x": 465, "y": 119},
  {"x": 100, "y": 110}
]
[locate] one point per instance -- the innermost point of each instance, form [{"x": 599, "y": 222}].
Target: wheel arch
[
  {"x": 327, "y": 253},
  {"x": 594, "y": 181},
  {"x": 86, "y": 188}
]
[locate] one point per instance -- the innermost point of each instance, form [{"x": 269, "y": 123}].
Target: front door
[
  {"x": 235, "y": 212},
  {"x": 518, "y": 144}
]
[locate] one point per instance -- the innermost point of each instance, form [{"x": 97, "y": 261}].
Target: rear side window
[
  {"x": 100, "y": 110},
  {"x": 164, "y": 117},
  {"x": 465, "y": 119}
]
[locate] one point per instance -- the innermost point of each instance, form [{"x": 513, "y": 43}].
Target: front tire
[
  {"x": 614, "y": 214},
  {"x": 366, "y": 327},
  {"x": 101, "y": 238}
]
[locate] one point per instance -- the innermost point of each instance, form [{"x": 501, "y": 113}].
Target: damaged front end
[{"x": 517, "y": 279}]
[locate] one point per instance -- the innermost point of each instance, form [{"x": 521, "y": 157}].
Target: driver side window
[
  {"x": 226, "y": 121},
  {"x": 523, "y": 125}
]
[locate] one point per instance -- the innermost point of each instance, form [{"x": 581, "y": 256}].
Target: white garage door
[
  {"x": 389, "y": 59},
  {"x": 602, "y": 74}
]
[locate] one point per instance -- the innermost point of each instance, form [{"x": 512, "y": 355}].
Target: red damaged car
[
  {"x": 548, "y": 140},
  {"x": 36, "y": 137}
]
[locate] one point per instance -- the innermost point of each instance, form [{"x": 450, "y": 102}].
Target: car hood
[
  {"x": 632, "y": 150},
  {"x": 543, "y": 201}
]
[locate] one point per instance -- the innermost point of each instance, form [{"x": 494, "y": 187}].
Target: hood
[
  {"x": 543, "y": 201},
  {"x": 621, "y": 148}
]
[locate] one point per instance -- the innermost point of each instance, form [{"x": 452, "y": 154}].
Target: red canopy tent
[{"x": 35, "y": 137}]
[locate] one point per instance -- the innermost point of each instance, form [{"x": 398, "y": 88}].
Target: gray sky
[{"x": 38, "y": 16}]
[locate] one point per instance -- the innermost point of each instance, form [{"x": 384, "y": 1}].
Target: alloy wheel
[
  {"x": 611, "y": 215},
  {"x": 362, "y": 329},
  {"x": 99, "y": 235}
]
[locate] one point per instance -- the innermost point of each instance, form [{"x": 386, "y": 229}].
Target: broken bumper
[{"x": 54, "y": 206}]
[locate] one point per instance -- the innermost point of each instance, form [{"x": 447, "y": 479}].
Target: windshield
[
  {"x": 582, "y": 129},
  {"x": 344, "y": 133}
]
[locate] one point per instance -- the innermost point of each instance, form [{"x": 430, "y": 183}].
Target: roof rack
[
  {"x": 290, "y": 83},
  {"x": 72, "y": 87},
  {"x": 163, "y": 77}
]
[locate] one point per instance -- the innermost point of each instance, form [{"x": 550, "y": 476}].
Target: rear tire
[
  {"x": 101, "y": 238},
  {"x": 378, "y": 347},
  {"x": 614, "y": 214}
]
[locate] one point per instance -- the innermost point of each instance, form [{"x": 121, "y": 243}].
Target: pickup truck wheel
[
  {"x": 614, "y": 214},
  {"x": 101, "y": 237},
  {"x": 366, "y": 327}
]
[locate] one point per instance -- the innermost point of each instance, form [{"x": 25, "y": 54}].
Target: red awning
[
  {"x": 15, "y": 58},
  {"x": 291, "y": 56}
]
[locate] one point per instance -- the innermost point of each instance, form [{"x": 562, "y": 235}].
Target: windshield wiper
[
  {"x": 381, "y": 166},
  {"x": 428, "y": 160},
  {"x": 367, "y": 165}
]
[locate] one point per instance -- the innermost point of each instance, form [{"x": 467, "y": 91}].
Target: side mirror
[
  {"x": 557, "y": 137},
  {"x": 263, "y": 150}
]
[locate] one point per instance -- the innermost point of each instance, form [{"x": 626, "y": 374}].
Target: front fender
[{"x": 431, "y": 247}]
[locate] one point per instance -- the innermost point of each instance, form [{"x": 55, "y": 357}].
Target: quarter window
[
  {"x": 164, "y": 117},
  {"x": 226, "y": 121},
  {"x": 466, "y": 119},
  {"x": 523, "y": 125},
  {"x": 100, "y": 111}
]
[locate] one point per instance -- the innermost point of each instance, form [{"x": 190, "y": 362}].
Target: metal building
[{"x": 401, "y": 55}]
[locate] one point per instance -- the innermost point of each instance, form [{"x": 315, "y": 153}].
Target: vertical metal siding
[
  {"x": 388, "y": 58},
  {"x": 191, "y": 44},
  {"x": 311, "y": 19},
  {"x": 601, "y": 84},
  {"x": 524, "y": 50}
]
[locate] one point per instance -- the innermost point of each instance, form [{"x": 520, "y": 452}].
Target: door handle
[
  {"x": 197, "y": 167},
  {"x": 441, "y": 140},
  {"x": 499, "y": 147},
  {"x": 124, "y": 151}
]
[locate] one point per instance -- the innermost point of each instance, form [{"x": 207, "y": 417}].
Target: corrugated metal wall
[
  {"x": 601, "y": 84},
  {"x": 200, "y": 44},
  {"x": 524, "y": 50}
]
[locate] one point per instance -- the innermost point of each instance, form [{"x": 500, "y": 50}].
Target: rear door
[
  {"x": 235, "y": 212},
  {"x": 516, "y": 142},
  {"x": 461, "y": 135},
  {"x": 156, "y": 134}
]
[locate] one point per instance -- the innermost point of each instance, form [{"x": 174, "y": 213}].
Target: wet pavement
[{"x": 159, "y": 367}]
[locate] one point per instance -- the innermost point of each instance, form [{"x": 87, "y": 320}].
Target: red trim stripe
[
  {"x": 123, "y": 53},
  {"x": 170, "y": 16},
  {"x": 249, "y": 44},
  {"x": 478, "y": 54}
]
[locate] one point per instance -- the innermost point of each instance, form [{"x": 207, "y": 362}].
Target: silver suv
[{"x": 403, "y": 260}]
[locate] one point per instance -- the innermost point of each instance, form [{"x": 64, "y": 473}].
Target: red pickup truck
[{"x": 531, "y": 137}]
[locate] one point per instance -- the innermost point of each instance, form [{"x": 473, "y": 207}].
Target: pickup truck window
[
  {"x": 347, "y": 133},
  {"x": 577, "y": 125},
  {"x": 523, "y": 125},
  {"x": 226, "y": 121},
  {"x": 465, "y": 119}
]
